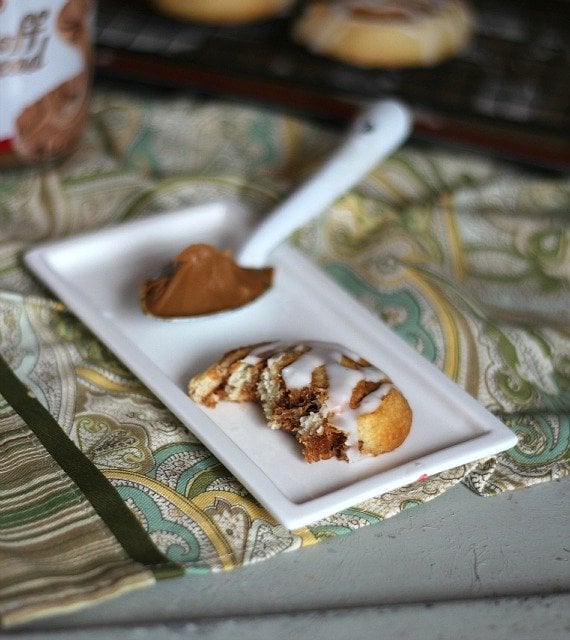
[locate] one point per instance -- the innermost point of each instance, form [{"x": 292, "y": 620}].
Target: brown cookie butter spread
[{"x": 203, "y": 279}]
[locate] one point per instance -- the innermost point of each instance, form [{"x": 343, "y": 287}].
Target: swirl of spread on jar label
[{"x": 45, "y": 77}]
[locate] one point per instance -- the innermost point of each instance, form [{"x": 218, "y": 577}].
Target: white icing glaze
[
  {"x": 298, "y": 374},
  {"x": 254, "y": 356}
]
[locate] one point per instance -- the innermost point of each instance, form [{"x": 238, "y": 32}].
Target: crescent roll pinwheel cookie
[
  {"x": 385, "y": 33},
  {"x": 334, "y": 402}
]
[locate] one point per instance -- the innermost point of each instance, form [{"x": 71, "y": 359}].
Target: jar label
[{"x": 45, "y": 61}]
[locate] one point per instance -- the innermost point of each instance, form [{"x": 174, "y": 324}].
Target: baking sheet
[{"x": 97, "y": 275}]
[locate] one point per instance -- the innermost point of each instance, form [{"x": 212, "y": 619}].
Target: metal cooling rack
[{"x": 507, "y": 93}]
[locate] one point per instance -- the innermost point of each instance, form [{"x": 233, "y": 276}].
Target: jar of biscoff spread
[{"x": 45, "y": 77}]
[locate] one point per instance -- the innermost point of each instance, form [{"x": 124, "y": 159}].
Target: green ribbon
[{"x": 96, "y": 488}]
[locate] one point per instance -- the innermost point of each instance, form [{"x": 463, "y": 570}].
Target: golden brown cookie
[
  {"x": 222, "y": 11},
  {"x": 385, "y": 33},
  {"x": 335, "y": 403}
]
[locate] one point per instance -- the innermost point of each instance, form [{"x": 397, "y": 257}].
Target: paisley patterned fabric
[{"x": 466, "y": 258}]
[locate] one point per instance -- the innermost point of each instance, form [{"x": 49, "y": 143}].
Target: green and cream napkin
[{"x": 102, "y": 490}]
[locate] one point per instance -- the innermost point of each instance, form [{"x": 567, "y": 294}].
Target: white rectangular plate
[{"x": 98, "y": 275}]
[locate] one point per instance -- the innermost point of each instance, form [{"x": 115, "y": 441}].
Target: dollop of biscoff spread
[{"x": 202, "y": 279}]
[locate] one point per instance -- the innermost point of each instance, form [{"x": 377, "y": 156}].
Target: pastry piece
[
  {"x": 222, "y": 11},
  {"x": 234, "y": 377},
  {"x": 335, "y": 403},
  {"x": 385, "y": 33},
  {"x": 49, "y": 127}
]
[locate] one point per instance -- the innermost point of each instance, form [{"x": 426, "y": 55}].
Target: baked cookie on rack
[
  {"x": 222, "y": 11},
  {"x": 385, "y": 33}
]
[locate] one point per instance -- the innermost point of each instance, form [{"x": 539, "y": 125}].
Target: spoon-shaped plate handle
[{"x": 378, "y": 131}]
